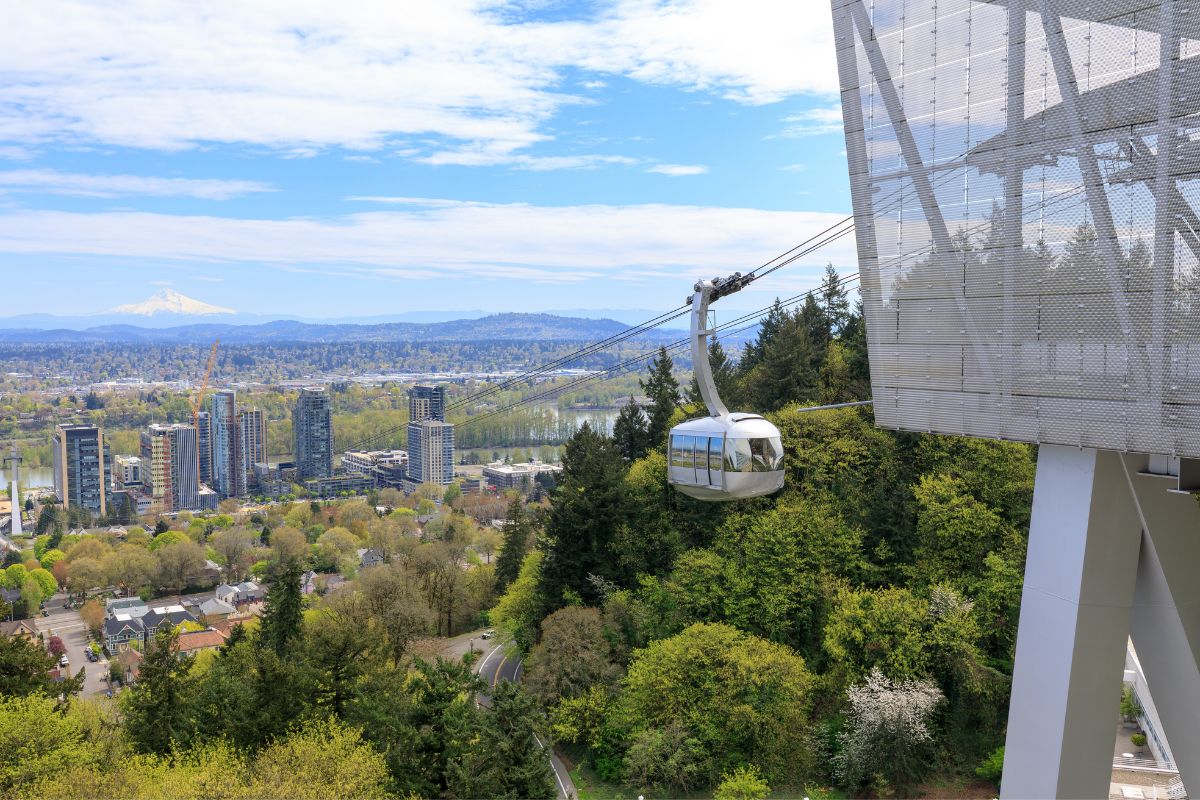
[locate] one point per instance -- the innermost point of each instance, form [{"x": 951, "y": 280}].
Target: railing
[{"x": 1145, "y": 765}]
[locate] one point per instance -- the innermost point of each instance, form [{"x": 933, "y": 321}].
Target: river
[{"x": 33, "y": 477}]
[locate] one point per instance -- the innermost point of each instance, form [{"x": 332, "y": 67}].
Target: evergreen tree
[
  {"x": 505, "y": 759},
  {"x": 25, "y": 669},
  {"x": 835, "y": 302},
  {"x": 588, "y": 506},
  {"x": 283, "y": 611},
  {"x": 631, "y": 432},
  {"x": 768, "y": 330},
  {"x": 663, "y": 390},
  {"x": 156, "y": 708},
  {"x": 518, "y": 534}
]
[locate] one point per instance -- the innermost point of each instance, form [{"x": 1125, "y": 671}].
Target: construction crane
[{"x": 212, "y": 360}]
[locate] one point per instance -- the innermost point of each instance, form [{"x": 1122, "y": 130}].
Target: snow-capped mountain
[{"x": 169, "y": 301}]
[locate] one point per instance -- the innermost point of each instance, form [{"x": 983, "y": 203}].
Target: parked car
[
  {"x": 91, "y": 656},
  {"x": 64, "y": 661},
  {"x": 489, "y": 633}
]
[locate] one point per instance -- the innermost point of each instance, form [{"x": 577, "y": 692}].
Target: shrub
[
  {"x": 743, "y": 783},
  {"x": 1138, "y": 739},
  {"x": 992, "y": 766}
]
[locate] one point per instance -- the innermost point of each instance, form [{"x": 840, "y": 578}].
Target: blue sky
[{"x": 331, "y": 160}]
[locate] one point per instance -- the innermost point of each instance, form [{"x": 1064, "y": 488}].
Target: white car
[
  {"x": 488, "y": 634},
  {"x": 64, "y": 661}
]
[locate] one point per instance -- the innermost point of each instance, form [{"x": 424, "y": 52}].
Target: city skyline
[{"x": 338, "y": 163}]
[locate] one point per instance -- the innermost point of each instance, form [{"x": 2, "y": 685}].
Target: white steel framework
[{"x": 1024, "y": 175}]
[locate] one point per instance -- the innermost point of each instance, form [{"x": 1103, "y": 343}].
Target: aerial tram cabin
[{"x": 724, "y": 456}]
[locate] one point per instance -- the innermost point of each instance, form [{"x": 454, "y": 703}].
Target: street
[{"x": 66, "y": 624}]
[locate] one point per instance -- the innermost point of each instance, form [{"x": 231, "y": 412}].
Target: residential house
[
  {"x": 214, "y": 610},
  {"x": 23, "y": 628},
  {"x": 175, "y": 615},
  {"x": 132, "y": 606},
  {"x": 239, "y": 594},
  {"x": 123, "y": 630},
  {"x": 131, "y": 663},
  {"x": 370, "y": 558},
  {"x": 194, "y": 642},
  {"x": 211, "y": 572}
]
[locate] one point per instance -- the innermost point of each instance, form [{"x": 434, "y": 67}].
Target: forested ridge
[{"x": 854, "y": 631}]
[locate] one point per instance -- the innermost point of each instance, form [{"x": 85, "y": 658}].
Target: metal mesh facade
[{"x": 1024, "y": 175}]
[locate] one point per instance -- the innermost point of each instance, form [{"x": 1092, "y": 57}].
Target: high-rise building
[
  {"x": 427, "y": 402},
  {"x": 126, "y": 472},
  {"x": 79, "y": 470},
  {"x": 252, "y": 439},
  {"x": 204, "y": 437},
  {"x": 170, "y": 466},
  {"x": 226, "y": 454},
  {"x": 430, "y": 453},
  {"x": 312, "y": 424}
]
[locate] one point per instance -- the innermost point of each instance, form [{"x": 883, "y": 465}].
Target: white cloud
[
  {"x": 814, "y": 122},
  {"x": 794, "y": 168},
  {"x": 48, "y": 181},
  {"x": 438, "y": 238},
  {"x": 678, "y": 170},
  {"x": 304, "y": 77}
]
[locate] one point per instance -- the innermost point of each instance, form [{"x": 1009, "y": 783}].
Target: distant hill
[{"x": 496, "y": 327}]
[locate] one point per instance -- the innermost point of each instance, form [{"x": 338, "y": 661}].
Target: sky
[{"x": 343, "y": 159}]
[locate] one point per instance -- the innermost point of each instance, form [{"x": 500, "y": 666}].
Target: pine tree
[
  {"x": 631, "y": 432},
  {"x": 588, "y": 506},
  {"x": 518, "y": 533},
  {"x": 835, "y": 301},
  {"x": 283, "y": 611},
  {"x": 505, "y": 759},
  {"x": 663, "y": 390},
  {"x": 156, "y": 709}
]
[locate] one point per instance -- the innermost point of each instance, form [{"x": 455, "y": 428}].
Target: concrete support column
[
  {"x": 1075, "y": 615},
  {"x": 1166, "y": 613}
]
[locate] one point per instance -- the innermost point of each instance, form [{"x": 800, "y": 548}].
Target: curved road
[{"x": 494, "y": 666}]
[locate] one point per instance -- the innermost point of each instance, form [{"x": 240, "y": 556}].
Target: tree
[
  {"x": 36, "y": 743},
  {"x": 25, "y": 669},
  {"x": 92, "y": 614},
  {"x": 179, "y": 564},
  {"x": 398, "y": 606},
  {"x": 289, "y": 544},
  {"x": 740, "y": 697},
  {"x": 50, "y": 558},
  {"x": 56, "y": 647},
  {"x": 323, "y": 759},
  {"x": 235, "y": 548},
  {"x": 84, "y": 574},
  {"x": 156, "y": 708},
  {"x": 283, "y": 611},
  {"x": 631, "y": 431},
  {"x": 130, "y": 567},
  {"x": 167, "y": 537},
  {"x": 518, "y": 609},
  {"x": 834, "y": 300},
  {"x": 588, "y": 508},
  {"x": 45, "y": 581},
  {"x": 518, "y": 537},
  {"x": 506, "y": 760},
  {"x": 663, "y": 390},
  {"x": 341, "y": 646},
  {"x": 743, "y": 783},
  {"x": 572, "y": 656},
  {"x": 486, "y": 543},
  {"x": 886, "y": 735}
]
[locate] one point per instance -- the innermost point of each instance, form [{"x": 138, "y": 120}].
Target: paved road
[
  {"x": 496, "y": 665},
  {"x": 66, "y": 624}
]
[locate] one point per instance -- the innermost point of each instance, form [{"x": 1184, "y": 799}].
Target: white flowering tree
[{"x": 886, "y": 741}]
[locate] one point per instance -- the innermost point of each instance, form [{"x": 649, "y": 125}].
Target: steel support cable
[
  {"x": 635, "y": 360},
  {"x": 621, "y": 368}
]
